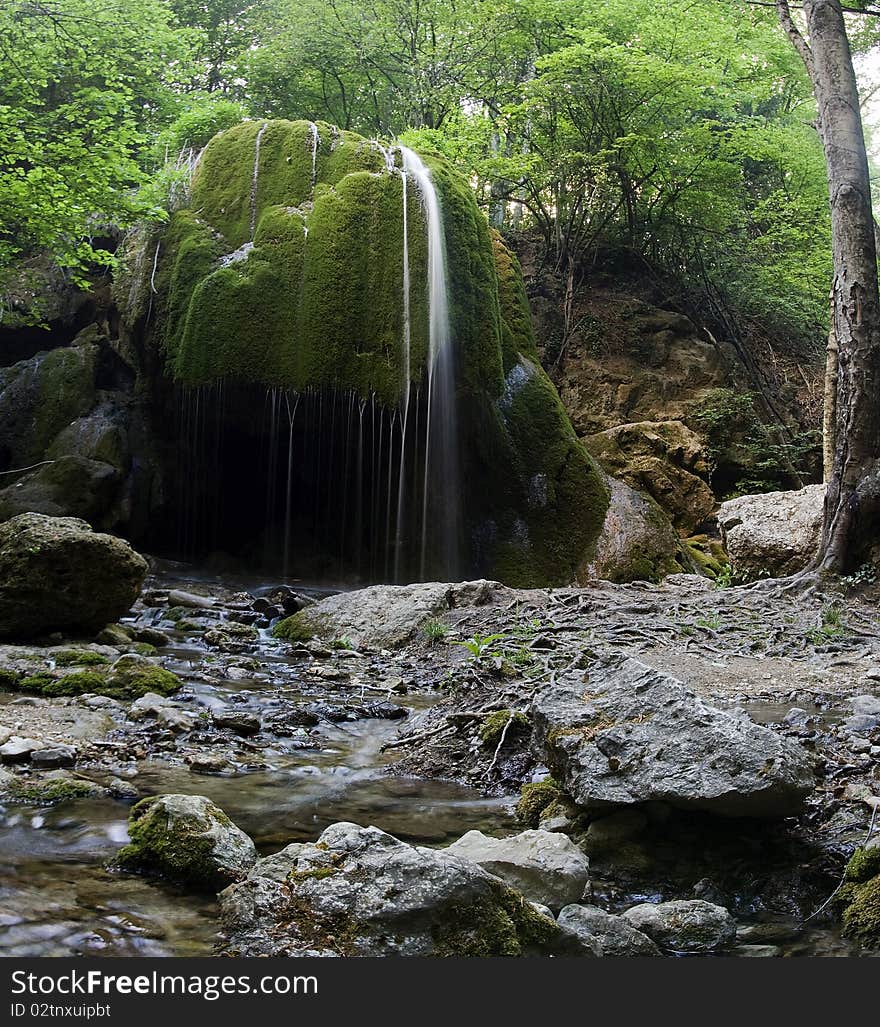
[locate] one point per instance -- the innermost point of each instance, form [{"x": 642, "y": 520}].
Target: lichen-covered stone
[
  {"x": 684, "y": 925},
  {"x": 56, "y": 574},
  {"x": 361, "y": 892},
  {"x": 614, "y": 935},
  {"x": 546, "y": 867},
  {"x": 188, "y": 839},
  {"x": 625, "y": 734}
]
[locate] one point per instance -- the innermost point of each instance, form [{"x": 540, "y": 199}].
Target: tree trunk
[
  {"x": 829, "y": 414},
  {"x": 852, "y": 501}
]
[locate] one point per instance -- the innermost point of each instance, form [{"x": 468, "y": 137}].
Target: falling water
[
  {"x": 407, "y": 375},
  {"x": 355, "y": 489},
  {"x": 316, "y": 142},
  {"x": 441, "y": 444},
  {"x": 255, "y": 179}
]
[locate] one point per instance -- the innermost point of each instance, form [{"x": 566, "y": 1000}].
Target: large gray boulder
[
  {"x": 773, "y": 534},
  {"x": 637, "y": 541},
  {"x": 384, "y": 615},
  {"x": 625, "y": 733},
  {"x": 188, "y": 839},
  {"x": 615, "y": 935},
  {"x": 546, "y": 867},
  {"x": 684, "y": 925},
  {"x": 358, "y": 891},
  {"x": 56, "y": 574}
]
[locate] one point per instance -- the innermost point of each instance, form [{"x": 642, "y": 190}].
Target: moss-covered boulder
[
  {"x": 187, "y": 839},
  {"x": 360, "y": 892},
  {"x": 637, "y": 542},
  {"x": 56, "y": 574},
  {"x": 860, "y": 897},
  {"x": 287, "y": 270}
]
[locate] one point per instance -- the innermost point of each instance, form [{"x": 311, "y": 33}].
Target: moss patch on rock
[
  {"x": 535, "y": 798},
  {"x": 125, "y": 682}
]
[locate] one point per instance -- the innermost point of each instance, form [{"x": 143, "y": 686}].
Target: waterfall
[
  {"x": 407, "y": 375},
  {"x": 441, "y": 442},
  {"x": 255, "y": 179},
  {"x": 316, "y": 142}
]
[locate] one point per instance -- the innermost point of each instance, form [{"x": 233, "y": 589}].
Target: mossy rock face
[
  {"x": 360, "y": 892},
  {"x": 860, "y": 897},
  {"x": 56, "y": 574},
  {"x": 188, "y": 839},
  {"x": 129, "y": 678},
  {"x": 535, "y": 798},
  {"x": 287, "y": 271}
]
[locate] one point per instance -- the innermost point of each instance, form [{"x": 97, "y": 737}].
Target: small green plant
[
  {"x": 724, "y": 578},
  {"x": 342, "y": 643},
  {"x": 435, "y": 630},
  {"x": 480, "y": 646},
  {"x": 711, "y": 621},
  {"x": 523, "y": 657},
  {"x": 865, "y": 575},
  {"x": 831, "y": 625}
]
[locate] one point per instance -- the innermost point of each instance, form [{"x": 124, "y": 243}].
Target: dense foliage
[{"x": 677, "y": 132}]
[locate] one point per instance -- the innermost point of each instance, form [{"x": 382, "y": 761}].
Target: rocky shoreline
[{"x": 493, "y": 688}]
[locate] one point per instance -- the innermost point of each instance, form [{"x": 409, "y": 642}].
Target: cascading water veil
[
  {"x": 255, "y": 180},
  {"x": 441, "y": 479}
]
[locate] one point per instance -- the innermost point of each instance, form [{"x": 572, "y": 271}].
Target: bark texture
[{"x": 852, "y": 501}]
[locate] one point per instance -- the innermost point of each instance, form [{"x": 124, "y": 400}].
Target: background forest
[{"x": 675, "y": 134}]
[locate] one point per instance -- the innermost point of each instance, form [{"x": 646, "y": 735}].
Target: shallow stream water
[{"x": 60, "y": 896}]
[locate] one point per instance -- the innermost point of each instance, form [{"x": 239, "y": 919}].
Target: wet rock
[
  {"x": 115, "y": 635},
  {"x": 189, "y": 839},
  {"x": 68, "y": 486},
  {"x": 56, "y": 574},
  {"x": 614, "y": 935},
  {"x": 684, "y": 925},
  {"x": 18, "y": 750},
  {"x": 177, "y": 597},
  {"x": 625, "y": 734},
  {"x": 383, "y": 711},
  {"x": 547, "y": 868},
  {"x": 865, "y": 715},
  {"x": 772, "y": 534},
  {"x": 230, "y": 633},
  {"x": 207, "y": 763},
  {"x": 166, "y": 712},
  {"x": 151, "y": 636},
  {"x": 757, "y": 951},
  {"x": 359, "y": 891},
  {"x": 54, "y": 756},
  {"x": 296, "y": 717},
  {"x": 240, "y": 722},
  {"x": 383, "y": 615}
]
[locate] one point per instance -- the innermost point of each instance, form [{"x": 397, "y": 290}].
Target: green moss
[
  {"x": 535, "y": 797},
  {"x": 145, "y": 649},
  {"x": 517, "y": 332},
  {"x": 85, "y": 681},
  {"x": 137, "y": 680},
  {"x": 493, "y": 727},
  {"x": 557, "y": 496},
  {"x": 124, "y": 682},
  {"x": 79, "y": 658},
  {"x": 861, "y": 918},
  {"x": 9, "y": 679},
  {"x": 299, "y": 627},
  {"x": 35, "y": 682},
  {"x": 315, "y": 874},
  {"x": 51, "y": 790},
  {"x": 504, "y": 924},
  {"x": 170, "y": 847},
  {"x": 66, "y": 391},
  {"x": 864, "y": 864}
]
